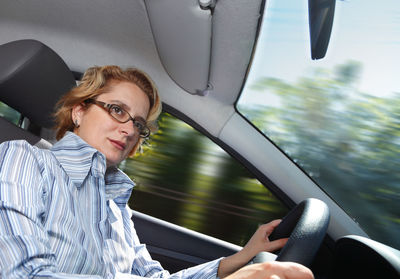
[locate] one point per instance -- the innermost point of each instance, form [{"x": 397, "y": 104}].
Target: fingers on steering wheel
[
  {"x": 276, "y": 244},
  {"x": 269, "y": 227}
]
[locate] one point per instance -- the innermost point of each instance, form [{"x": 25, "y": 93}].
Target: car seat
[{"x": 32, "y": 79}]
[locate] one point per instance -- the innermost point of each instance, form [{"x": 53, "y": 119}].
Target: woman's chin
[{"x": 113, "y": 162}]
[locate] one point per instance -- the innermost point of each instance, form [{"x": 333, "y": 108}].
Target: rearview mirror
[{"x": 320, "y": 19}]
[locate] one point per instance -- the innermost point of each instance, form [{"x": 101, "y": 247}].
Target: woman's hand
[
  {"x": 260, "y": 242},
  {"x": 273, "y": 270}
]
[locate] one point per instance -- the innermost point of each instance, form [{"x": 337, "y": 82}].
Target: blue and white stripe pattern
[{"x": 64, "y": 215}]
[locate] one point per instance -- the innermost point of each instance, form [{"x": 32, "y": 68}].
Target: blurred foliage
[
  {"x": 348, "y": 142},
  {"x": 184, "y": 178},
  {"x": 9, "y": 113}
]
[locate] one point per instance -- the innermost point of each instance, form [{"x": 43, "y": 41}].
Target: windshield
[{"x": 338, "y": 118}]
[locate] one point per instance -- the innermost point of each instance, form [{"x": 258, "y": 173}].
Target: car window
[
  {"x": 338, "y": 118},
  {"x": 185, "y": 178},
  {"x": 9, "y": 113}
]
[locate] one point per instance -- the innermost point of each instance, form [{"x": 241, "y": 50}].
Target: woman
[{"x": 64, "y": 213}]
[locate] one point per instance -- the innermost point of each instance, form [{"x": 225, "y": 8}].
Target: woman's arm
[
  {"x": 259, "y": 242},
  {"x": 230, "y": 267}
]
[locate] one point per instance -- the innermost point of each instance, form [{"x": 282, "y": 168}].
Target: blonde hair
[{"x": 96, "y": 81}]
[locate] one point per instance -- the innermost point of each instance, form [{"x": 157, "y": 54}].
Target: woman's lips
[{"x": 118, "y": 144}]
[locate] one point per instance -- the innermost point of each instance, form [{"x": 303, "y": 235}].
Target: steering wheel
[{"x": 306, "y": 226}]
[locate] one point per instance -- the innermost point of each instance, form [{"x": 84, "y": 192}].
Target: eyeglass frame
[{"x": 107, "y": 107}]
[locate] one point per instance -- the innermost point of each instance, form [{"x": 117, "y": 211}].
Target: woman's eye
[
  {"x": 117, "y": 110},
  {"x": 139, "y": 125}
]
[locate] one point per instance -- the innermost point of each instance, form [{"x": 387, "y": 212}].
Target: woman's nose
[{"x": 128, "y": 128}]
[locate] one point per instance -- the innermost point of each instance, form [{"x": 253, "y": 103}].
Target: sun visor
[
  {"x": 32, "y": 79},
  {"x": 182, "y": 33}
]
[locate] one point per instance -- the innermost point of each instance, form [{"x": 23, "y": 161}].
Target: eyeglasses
[{"x": 122, "y": 116}]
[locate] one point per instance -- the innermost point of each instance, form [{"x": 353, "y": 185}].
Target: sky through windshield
[{"x": 287, "y": 31}]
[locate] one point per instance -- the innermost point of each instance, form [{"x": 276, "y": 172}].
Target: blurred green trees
[
  {"x": 348, "y": 142},
  {"x": 9, "y": 113}
]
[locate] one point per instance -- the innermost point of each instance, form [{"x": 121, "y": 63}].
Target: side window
[
  {"x": 9, "y": 113},
  {"x": 184, "y": 178}
]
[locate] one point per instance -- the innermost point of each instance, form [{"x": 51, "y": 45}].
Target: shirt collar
[
  {"x": 118, "y": 186},
  {"x": 78, "y": 158}
]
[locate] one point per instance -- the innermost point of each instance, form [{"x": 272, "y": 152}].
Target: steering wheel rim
[{"x": 305, "y": 226}]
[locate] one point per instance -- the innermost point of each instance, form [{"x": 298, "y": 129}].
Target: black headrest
[{"x": 32, "y": 79}]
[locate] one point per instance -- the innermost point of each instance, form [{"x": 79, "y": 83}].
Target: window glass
[
  {"x": 338, "y": 118},
  {"x": 9, "y": 113},
  {"x": 184, "y": 178}
]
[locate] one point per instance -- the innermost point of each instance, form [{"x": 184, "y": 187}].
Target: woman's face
[{"x": 99, "y": 129}]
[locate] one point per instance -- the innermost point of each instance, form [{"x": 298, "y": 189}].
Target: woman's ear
[{"x": 77, "y": 114}]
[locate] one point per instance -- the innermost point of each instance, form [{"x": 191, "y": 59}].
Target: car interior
[{"x": 198, "y": 53}]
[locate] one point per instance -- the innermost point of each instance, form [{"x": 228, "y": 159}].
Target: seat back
[{"x": 32, "y": 79}]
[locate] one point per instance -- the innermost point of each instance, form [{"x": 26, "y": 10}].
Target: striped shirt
[{"x": 64, "y": 215}]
